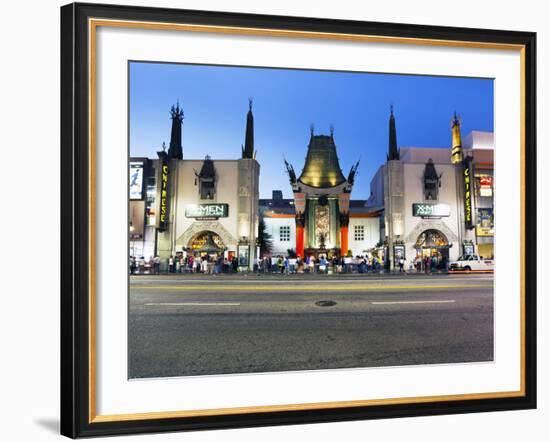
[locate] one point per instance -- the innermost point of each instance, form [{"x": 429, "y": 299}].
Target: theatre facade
[
  {"x": 438, "y": 202},
  {"x": 206, "y": 207},
  {"x": 435, "y": 202}
]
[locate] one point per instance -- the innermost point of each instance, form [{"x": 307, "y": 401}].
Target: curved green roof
[{"x": 322, "y": 168}]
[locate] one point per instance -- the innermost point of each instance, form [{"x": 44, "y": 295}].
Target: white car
[{"x": 472, "y": 263}]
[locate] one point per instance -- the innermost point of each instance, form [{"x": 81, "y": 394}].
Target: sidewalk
[{"x": 277, "y": 275}]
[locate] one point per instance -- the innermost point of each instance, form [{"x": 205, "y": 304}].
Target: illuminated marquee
[
  {"x": 163, "y": 215},
  {"x": 468, "y": 193},
  {"x": 431, "y": 210},
  {"x": 207, "y": 211}
]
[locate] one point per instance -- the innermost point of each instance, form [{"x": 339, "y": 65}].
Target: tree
[{"x": 264, "y": 238}]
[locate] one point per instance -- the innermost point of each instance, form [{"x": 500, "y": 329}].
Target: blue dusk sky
[{"x": 286, "y": 102}]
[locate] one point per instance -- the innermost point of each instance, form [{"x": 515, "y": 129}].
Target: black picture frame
[{"x": 76, "y": 249}]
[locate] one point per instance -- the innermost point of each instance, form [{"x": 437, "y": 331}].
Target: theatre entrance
[
  {"x": 206, "y": 243},
  {"x": 432, "y": 243}
]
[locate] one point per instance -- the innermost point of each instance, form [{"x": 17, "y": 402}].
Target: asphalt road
[{"x": 181, "y": 326}]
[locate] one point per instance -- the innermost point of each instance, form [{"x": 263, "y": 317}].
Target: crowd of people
[
  {"x": 321, "y": 264},
  {"x": 183, "y": 264},
  {"x": 430, "y": 264},
  {"x": 283, "y": 264}
]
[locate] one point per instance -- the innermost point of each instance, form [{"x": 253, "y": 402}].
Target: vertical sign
[
  {"x": 467, "y": 176},
  {"x": 398, "y": 253},
  {"x": 163, "y": 190},
  {"x": 136, "y": 180}
]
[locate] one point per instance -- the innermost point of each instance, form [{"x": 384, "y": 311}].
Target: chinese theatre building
[
  {"x": 321, "y": 200},
  {"x": 206, "y": 206},
  {"x": 279, "y": 218},
  {"x": 438, "y": 202}
]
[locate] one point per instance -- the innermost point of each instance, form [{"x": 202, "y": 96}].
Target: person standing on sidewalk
[
  {"x": 156, "y": 265},
  {"x": 322, "y": 264},
  {"x": 281, "y": 265},
  {"x": 132, "y": 265}
]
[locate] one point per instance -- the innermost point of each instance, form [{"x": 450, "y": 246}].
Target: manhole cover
[{"x": 325, "y": 303}]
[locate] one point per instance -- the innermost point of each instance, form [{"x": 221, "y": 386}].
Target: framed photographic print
[{"x": 274, "y": 220}]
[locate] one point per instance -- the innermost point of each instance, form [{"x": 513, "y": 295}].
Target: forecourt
[{"x": 180, "y": 326}]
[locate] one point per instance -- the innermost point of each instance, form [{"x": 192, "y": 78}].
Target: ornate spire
[
  {"x": 176, "y": 150},
  {"x": 456, "y": 153},
  {"x": 393, "y": 151},
  {"x": 248, "y": 149}
]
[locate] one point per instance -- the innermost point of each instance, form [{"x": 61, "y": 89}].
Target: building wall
[
  {"x": 376, "y": 198},
  {"x": 248, "y": 205},
  {"x": 414, "y": 193},
  {"x": 372, "y": 234},
  {"x": 273, "y": 226},
  {"x": 237, "y": 184},
  {"x": 188, "y": 194}
]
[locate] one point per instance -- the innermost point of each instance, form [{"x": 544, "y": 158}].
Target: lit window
[
  {"x": 359, "y": 233},
  {"x": 284, "y": 233}
]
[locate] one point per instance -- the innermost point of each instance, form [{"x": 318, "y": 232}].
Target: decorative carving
[
  {"x": 200, "y": 226},
  {"x": 430, "y": 225},
  {"x": 300, "y": 219},
  {"x": 322, "y": 224},
  {"x": 322, "y": 244},
  {"x": 291, "y": 173},
  {"x": 344, "y": 219},
  {"x": 352, "y": 173},
  {"x": 431, "y": 238},
  {"x": 244, "y": 191},
  {"x": 432, "y": 182}
]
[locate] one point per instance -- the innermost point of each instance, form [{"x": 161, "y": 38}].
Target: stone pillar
[
  {"x": 393, "y": 204},
  {"x": 300, "y": 240},
  {"x": 300, "y": 206},
  {"x": 247, "y": 207},
  {"x": 343, "y": 207},
  {"x": 344, "y": 247}
]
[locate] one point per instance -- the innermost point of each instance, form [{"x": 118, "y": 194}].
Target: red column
[
  {"x": 300, "y": 241},
  {"x": 343, "y": 240}
]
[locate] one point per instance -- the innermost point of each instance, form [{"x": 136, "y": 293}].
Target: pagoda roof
[
  {"x": 207, "y": 169},
  {"x": 322, "y": 168}
]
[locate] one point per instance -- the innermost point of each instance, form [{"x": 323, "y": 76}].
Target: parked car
[{"x": 472, "y": 263}]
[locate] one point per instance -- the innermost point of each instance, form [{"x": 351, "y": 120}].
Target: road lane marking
[
  {"x": 196, "y": 304},
  {"x": 412, "y": 302},
  {"x": 225, "y": 288}
]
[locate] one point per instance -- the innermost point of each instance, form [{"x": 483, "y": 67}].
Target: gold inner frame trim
[{"x": 93, "y": 24}]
